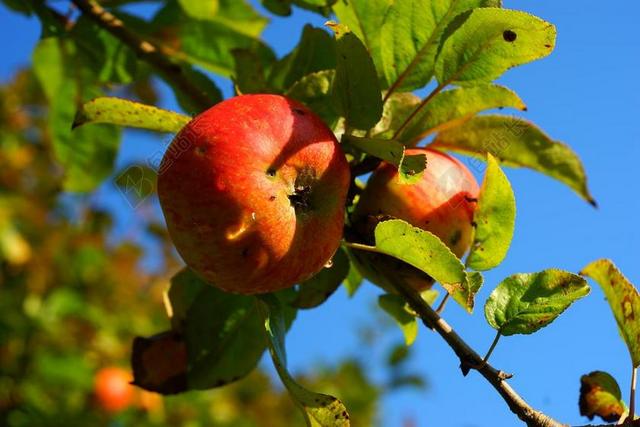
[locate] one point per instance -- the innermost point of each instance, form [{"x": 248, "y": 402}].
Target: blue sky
[{"x": 585, "y": 94}]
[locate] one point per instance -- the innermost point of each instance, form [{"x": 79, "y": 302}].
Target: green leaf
[
  {"x": 364, "y": 18},
  {"x": 397, "y": 308},
  {"x": 123, "y": 112},
  {"x": 524, "y": 303},
  {"x": 420, "y": 249},
  {"x": 18, "y": 6},
  {"x": 210, "y": 43},
  {"x": 278, "y": 7},
  {"x": 320, "y": 287},
  {"x": 354, "y": 278},
  {"x": 238, "y": 15},
  {"x": 205, "y": 85},
  {"x": 396, "y": 110},
  {"x": 454, "y": 107},
  {"x": 600, "y": 395},
  {"x": 355, "y": 90},
  {"x": 316, "y": 51},
  {"x": 111, "y": 60},
  {"x": 517, "y": 142},
  {"x": 314, "y": 90},
  {"x": 249, "y": 75},
  {"x": 200, "y": 9},
  {"x": 411, "y": 35},
  {"x": 623, "y": 299},
  {"x": 221, "y": 332},
  {"x": 484, "y": 43},
  {"x": 410, "y": 167},
  {"x": 495, "y": 219},
  {"x": 464, "y": 293},
  {"x": 88, "y": 154},
  {"x": 318, "y": 409}
]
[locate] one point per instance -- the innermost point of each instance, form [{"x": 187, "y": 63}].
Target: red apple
[
  {"x": 253, "y": 192},
  {"x": 443, "y": 202},
  {"x": 113, "y": 390}
]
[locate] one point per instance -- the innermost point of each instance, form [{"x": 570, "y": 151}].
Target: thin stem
[
  {"x": 632, "y": 397},
  {"x": 443, "y": 303},
  {"x": 153, "y": 54},
  {"x": 493, "y": 346},
  {"x": 424, "y": 102},
  {"x": 360, "y": 246}
]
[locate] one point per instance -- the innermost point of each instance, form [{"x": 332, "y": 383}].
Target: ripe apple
[
  {"x": 443, "y": 202},
  {"x": 253, "y": 192},
  {"x": 113, "y": 389}
]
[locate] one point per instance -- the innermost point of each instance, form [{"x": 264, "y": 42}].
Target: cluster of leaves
[{"x": 360, "y": 81}]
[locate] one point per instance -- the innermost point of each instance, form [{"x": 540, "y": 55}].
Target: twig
[
  {"x": 632, "y": 396},
  {"x": 147, "y": 51},
  {"x": 469, "y": 358}
]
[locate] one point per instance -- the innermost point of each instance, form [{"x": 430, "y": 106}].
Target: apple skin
[
  {"x": 443, "y": 202},
  {"x": 253, "y": 191},
  {"x": 113, "y": 390}
]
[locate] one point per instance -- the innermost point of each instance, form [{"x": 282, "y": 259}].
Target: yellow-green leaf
[
  {"x": 483, "y": 43},
  {"x": 624, "y": 301},
  {"x": 398, "y": 308},
  {"x": 517, "y": 142},
  {"x": 123, "y": 112},
  {"x": 495, "y": 219},
  {"x": 453, "y": 107}
]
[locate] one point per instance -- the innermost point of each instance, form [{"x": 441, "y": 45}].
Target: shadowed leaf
[
  {"x": 397, "y": 308},
  {"x": 320, "y": 287}
]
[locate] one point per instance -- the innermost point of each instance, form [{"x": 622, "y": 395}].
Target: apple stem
[
  {"x": 443, "y": 303},
  {"x": 632, "y": 396},
  {"x": 360, "y": 246}
]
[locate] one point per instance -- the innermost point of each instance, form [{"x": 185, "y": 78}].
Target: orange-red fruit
[
  {"x": 253, "y": 192},
  {"x": 113, "y": 390},
  {"x": 443, "y": 202}
]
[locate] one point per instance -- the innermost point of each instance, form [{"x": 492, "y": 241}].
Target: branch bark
[
  {"x": 469, "y": 359},
  {"x": 147, "y": 51}
]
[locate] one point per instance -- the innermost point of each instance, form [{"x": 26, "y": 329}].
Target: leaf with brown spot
[
  {"x": 600, "y": 395},
  {"x": 624, "y": 300}
]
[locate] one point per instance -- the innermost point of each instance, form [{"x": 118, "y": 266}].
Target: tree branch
[
  {"x": 147, "y": 51},
  {"x": 469, "y": 359}
]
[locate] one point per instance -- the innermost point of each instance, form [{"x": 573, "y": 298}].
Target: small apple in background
[
  {"x": 443, "y": 202},
  {"x": 113, "y": 390},
  {"x": 253, "y": 192}
]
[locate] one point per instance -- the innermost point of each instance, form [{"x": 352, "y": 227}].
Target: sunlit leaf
[
  {"x": 411, "y": 35},
  {"x": 453, "y": 107},
  {"x": 600, "y": 395},
  {"x": 355, "y": 90},
  {"x": 320, "y": 287},
  {"x": 624, "y": 301},
  {"x": 410, "y": 167},
  {"x": 364, "y": 18},
  {"x": 419, "y": 248},
  {"x": 495, "y": 219},
  {"x": 397, "y": 308},
  {"x": 200, "y": 9},
  {"x": 464, "y": 293},
  {"x": 396, "y": 110},
  {"x": 319, "y": 409},
  {"x": 524, "y": 303},
  {"x": 123, "y": 112},
  {"x": 483, "y": 43},
  {"x": 517, "y": 142}
]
